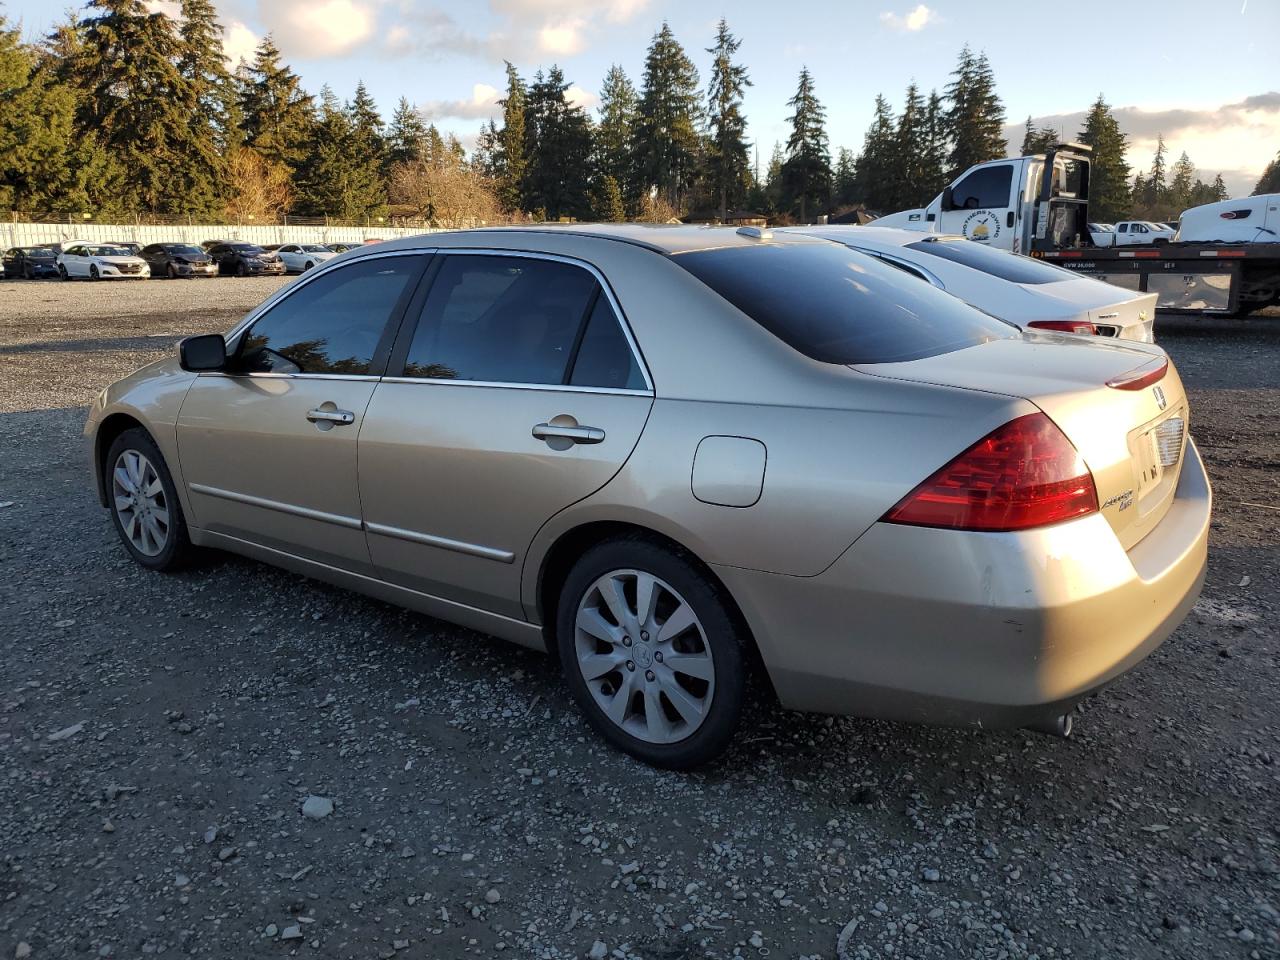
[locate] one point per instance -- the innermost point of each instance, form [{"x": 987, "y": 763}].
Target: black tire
[
  {"x": 28, "y": 273},
  {"x": 307, "y": 266},
  {"x": 241, "y": 270},
  {"x": 726, "y": 637},
  {"x": 62, "y": 273},
  {"x": 93, "y": 272},
  {"x": 173, "y": 272},
  {"x": 178, "y": 550}
]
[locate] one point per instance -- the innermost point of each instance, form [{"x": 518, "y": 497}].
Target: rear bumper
[{"x": 1001, "y": 630}]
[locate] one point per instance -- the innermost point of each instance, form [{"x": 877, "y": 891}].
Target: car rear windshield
[
  {"x": 39, "y": 253},
  {"x": 839, "y": 306},
  {"x": 998, "y": 263},
  {"x": 245, "y": 248}
]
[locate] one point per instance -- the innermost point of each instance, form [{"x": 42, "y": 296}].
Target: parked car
[
  {"x": 301, "y": 257},
  {"x": 343, "y": 247},
  {"x": 1103, "y": 234},
  {"x": 133, "y": 249},
  {"x": 30, "y": 263},
  {"x": 671, "y": 453},
  {"x": 1138, "y": 232},
  {"x": 175, "y": 260},
  {"x": 245, "y": 259},
  {"x": 100, "y": 261},
  {"x": 207, "y": 245},
  {"x": 1027, "y": 292}
]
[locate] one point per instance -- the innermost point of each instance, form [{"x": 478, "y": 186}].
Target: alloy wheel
[
  {"x": 140, "y": 503},
  {"x": 644, "y": 656}
]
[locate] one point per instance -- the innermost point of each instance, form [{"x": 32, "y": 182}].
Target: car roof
[
  {"x": 660, "y": 237},
  {"x": 870, "y": 236}
]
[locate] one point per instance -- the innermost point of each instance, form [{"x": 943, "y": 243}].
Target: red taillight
[
  {"x": 1065, "y": 326},
  {"x": 1025, "y": 474},
  {"x": 1143, "y": 376}
]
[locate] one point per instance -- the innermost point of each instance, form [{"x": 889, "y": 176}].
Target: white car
[
  {"x": 301, "y": 257},
  {"x": 1023, "y": 291},
  {"x": 1130, "y": 233},
  {"x": 100, "y": 261},
  {"x": 1103, "y": 234}
]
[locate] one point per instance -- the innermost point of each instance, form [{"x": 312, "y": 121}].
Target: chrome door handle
[
  {"x": 340, "y": 417},
  {"x": 555, "y": 431}
]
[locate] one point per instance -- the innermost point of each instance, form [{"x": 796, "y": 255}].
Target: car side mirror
[
  {"x": 946, "y": 199},
  {"x": 205, "y": 352}
]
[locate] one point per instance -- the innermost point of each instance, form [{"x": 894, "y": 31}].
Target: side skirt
[{"x": 473, "y": 618}]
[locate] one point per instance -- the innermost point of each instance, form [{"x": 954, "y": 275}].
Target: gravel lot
[{"x": 160, "y": 737}]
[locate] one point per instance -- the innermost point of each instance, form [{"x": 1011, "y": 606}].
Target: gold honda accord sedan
[{"x": 671, "y": 456}]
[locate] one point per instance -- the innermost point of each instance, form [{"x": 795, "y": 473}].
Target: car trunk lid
[{"x": 1132, "y": 440}]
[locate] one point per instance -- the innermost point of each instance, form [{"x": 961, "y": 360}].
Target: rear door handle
[
  {"x": 337, "y": 417},
  {"x": 555, "y": 431}
]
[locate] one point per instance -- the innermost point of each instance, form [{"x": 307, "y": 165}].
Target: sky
[{"x": 1204, "y": 74}]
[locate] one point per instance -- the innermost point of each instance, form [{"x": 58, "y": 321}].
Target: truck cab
[{"x": 1022, "y": 204}]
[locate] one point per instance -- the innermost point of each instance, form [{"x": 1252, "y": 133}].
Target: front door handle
[
  {"x": 336, "y": 417},
  {"x": 574, "y": 433}
]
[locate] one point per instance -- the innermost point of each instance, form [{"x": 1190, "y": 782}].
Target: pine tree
[
  {"x": 1269, "y": 182},
  {"x": 201, "y": 63},
  {"x": 484, "y": 157},
  {"x": 134, "y": 99},
  {"x": 606, "y": 201},
  {"x": 368, "y": 152},
  {"x": 278, "y": 114},
  {"x": 1182, "y": 184},
  {"x": 844, "y": 183},
  {"x": 1219, "y": 190},
  {"x": 873, "y": 171},
  {"x": 1157, "y": 189},
  {"x": 1038, "y": 139},
  {"x": 907, "y": 166},
  {"x": 976, "y": 116},
  {"x": 405, "y": 136},
  {"x": 665, "y": 139},
  {"x": 616, "y": 127},
  {"x": 558, "y": 145},
  {"x": 1109, "y": 197},
  {"x": 773, "y": 180},
  {"x": 729, "y": 174},
  {"x": 933, "y": 149},
  {"x": 511, "y": 159},
  {"x": 325, "y": 177},
  {"x": 806, "y": 173}
]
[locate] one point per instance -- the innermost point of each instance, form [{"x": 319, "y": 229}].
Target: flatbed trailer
[{"x": 1225, "y": 279}]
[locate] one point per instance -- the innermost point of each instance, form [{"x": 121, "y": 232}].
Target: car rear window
[
  {"x": 998, "y": 263},
  {"x": 840, "y": 306}
]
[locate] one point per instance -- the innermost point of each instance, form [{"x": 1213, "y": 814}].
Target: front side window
[
  {"x": 332, "y": 324},
  {"x": 836, "y": 305},
  {"x": 987, "y": 188},
  {"x": 501, "y": 319}
]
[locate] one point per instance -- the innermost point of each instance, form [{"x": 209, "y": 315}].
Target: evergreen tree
[
  {"x": 511, "y": 157},
  {"x": 933, "y": 149},
  {"x": 1269, "y": 182},
  {"x": 606, "y": 201},
  {"x": 1156, "y": 190},
  {"x": 773, "y": 180},
  {"x": 368, "y": 152},
  {"x": 1038, "y": 139},
  {"x": 484, "y": 158},
  {"x": 406, "y": 134},
  {"x": 277, "y": 113},
  {"x": 665, "y": 139},
  {"x": 134, "y": 99},
  {"x": 1182, "y": 184},
  {"x": 975, "y": 117},
  {"x": 806, "y": 174},
  {"x": 558, "y": 145},
  {"x": 1109, "y": 198},
  {"x": 907, "y": 164},
  {"x": 844, "y": 184},
  {"x": 1219, "y": 190},
  {"x": 211, "y": 93},
  {"x": 873, "y": 171},
  {"x": 727, "y": 148},
  {"x": 325, "y": 177},
  {"x": 616, "y": 126}
]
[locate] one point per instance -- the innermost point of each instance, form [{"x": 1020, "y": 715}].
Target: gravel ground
[{"x": 239, "y": 762}]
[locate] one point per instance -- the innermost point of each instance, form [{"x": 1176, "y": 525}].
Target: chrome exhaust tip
[{"x": 1059, "y": 726}]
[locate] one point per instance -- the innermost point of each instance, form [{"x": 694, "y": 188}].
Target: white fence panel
[{"x": 36, "y": 234}]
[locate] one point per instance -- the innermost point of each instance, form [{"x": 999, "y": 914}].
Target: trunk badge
[{"x": 1161, "y": 402}]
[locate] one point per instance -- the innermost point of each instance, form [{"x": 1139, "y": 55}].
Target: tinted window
[
  {"x": 500, "y": 319},
  {"x": 988, "y": 187},
  {"x": 605, "y": 359},
  {"x": 332, "y": 324},
  {"x": 839, "y": 306},
  {"x": 998, "y": 263}
]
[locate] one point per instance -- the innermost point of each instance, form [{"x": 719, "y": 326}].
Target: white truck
[
  {"x": 1225, "y": 258},
  {"x": 1133, "y": 233}
]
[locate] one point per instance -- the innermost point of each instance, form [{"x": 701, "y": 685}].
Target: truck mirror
[{"x": 946, "y": 198}]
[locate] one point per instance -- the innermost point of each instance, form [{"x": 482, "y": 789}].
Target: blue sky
[{"x": 1205, "y": 74}]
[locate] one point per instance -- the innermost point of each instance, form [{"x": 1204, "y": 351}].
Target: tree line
[{"x": 124, "y": 110}]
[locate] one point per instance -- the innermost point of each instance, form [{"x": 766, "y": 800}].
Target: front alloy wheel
[{"x": 140, "y": 503}]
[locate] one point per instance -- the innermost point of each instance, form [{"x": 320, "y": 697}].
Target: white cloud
[
  {"x": 579, "y": 97},
  {"x": 482, "y": 105},
  {"x": 562, "y": 39},
  {"x": 238, "y": 43},
  {"x": 319, "y": 28},
  {"x": 912, "y": 21}
]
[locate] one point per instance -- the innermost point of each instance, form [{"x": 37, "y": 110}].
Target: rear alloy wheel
[
  {"x": 652, "y": 652},
  {"x": 144, "y": 504}
]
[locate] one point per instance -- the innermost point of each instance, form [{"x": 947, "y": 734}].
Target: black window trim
[
  {"x": 378, "y": 364},
  {"x": 413, "y": 315}
]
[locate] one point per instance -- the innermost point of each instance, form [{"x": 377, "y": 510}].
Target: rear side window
[
  {"x": 998, "y": 263},
  {"x": 332, "y": 324},
  {"x": 605, "y": 359},
  {"x": 840, "y": 306},
  {"x": 501, "y": 320}
]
